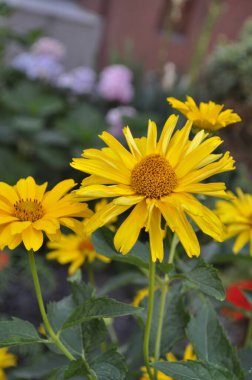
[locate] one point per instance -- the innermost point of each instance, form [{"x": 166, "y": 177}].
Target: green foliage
[
  {"x": 101, "y": 307},
  {"x": 194, "y": 370},
  {"x": 213, "y": 345},
  {"x": 17, "y": 331},
  {"x": 204, "y": 277}
]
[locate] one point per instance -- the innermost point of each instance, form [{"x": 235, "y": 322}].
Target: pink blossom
[
  {"x": 116, "y": 84},
  {"x": 50, "y": 47}
]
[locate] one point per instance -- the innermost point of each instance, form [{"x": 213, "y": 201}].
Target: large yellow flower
[
  {"x": 236, "y": 214},
  {"x": 6, "y": 360},
  {"x": 26, "y": 211},
  {"x": 188, "y": 355},
  {"x": 155, "y": 179},
  {"x": 208, "y": 116},
  {"x": 75, "y": 249}
]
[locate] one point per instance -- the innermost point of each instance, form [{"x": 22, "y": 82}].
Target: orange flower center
[
  {"x": 28, "y": 210},
  {"x": 86, "y": 245},
  {"x": 153, "y": 177}
]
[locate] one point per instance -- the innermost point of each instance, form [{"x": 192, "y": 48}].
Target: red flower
[{"x": 235, "y": 296}]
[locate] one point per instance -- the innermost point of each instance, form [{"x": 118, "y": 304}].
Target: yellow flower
[
  {"x": 236, "y": 214},
  {"x": 188, "y": 355},
  {"x": 74, "y": 249},
  {"x": 155, "y": 179},
  {"x": 208, "y": 116},
  {"x": 6, "y": 360},
  {"x": 26, "y": 211},
  {"x": 141, "y": 294}
]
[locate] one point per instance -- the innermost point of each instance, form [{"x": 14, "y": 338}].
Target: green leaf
[
  {"x": 58, "y": 313},
  {"x": 210, "y": 342},
  {"x": 204, "y": 277},
  {"x": 76, "y": 368},
  {"x": 17, "y": 331},
  {"x": 247, "y": 294},
  {"x": 27, "y": 124},
  {"x": 109, "y": 366},
  {"x": 103, "y": 243},
  {"x": 40, "y": 367},
  {"x": 245, "y": 356},
  {"x": 194, "y": 370},
  {"x": 99, "y": 308}
]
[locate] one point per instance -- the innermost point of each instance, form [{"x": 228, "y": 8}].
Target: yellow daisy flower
[
  {"x": 6, "y": 360},
  {"x": 208, "y": 116},
  {"x": 26, "y": 211},
  {"x": 236, "y": 214},
  {"x": 74, "y": 249},
  {"x": 155, "y": 179},
  {"x": 188, "y": 355}
]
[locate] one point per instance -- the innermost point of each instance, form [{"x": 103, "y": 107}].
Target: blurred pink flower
[
  {"x": 114, "y": 118},
  {"x": 50, "y": 47},
  {"x": 80, "y": 80},
  {"x": 116, "y": 84}
]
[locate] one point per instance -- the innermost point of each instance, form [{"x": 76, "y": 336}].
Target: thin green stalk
[
  {"x": 162, "y": 303},
  {"x": 90, "y": 273},
  {"x": 47, "y": 324},
  {"x": 152, "y": 270},
  {"x": 249, "y": 332}
]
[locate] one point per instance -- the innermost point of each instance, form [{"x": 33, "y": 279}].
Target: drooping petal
[
  {"x": 128, "y": 232},
  {"x": 156, "y": 235}
]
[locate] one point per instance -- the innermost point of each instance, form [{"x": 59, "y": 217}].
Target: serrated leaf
[
  {"x": 109, "y": 366},
  {"x": 99, "y": 308},
  {"x": 58, "y": 313},
  {"x": 16, "y": 332},
  {"x": 204, "y": 277},
  {"x": 40, "y": 367},
  {"x": 210, "y": 341},
  {"x": 76, "y": 368},
  {"x": 194, "y": 370},
  {"x": 103, "y": 243}
]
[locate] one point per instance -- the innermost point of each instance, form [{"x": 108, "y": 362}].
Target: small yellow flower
[
  {"x": 236, "y": 214},
  {"x": 188, "y": 355},
  {"x": 156, "y": 179},
  {"x": 26, "y": 211},
  {"x": 207, "y": 116},
  {"x": 141, "y": 294},
  {"x": 74, "y": 249},
  {"x": 6, "y": 360}
]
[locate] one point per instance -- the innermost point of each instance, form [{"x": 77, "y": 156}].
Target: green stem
[
  {"x": 47, "y": 324},
  {"x": 162, "y": 304},
  {"x": 152, "y": 270},
  {"x": 174, "y": 244},
  {"x": 90, "y": 273},
  {"x": 249, "y": 332}
]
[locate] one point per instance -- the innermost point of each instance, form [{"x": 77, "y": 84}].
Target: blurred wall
[{"x": 143, "y": 24}]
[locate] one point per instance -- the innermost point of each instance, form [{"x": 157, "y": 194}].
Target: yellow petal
[
  {"x": 242, "y": 239},
  {"x": 156, "y": 235},
  {"x": 128, "y": 232},
  {"x": 166, "y": 134},
  {"x": 103, "y": 216},
  {"x": 32, "y": 239},
  {"x": 151, "y": 138},
  {"x": 52, "y": 196}
]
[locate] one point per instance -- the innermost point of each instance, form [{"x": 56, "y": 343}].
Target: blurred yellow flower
[
  {"x": 208, "y": 116},
  {"x": 236, "y": 214},
  {"x": 155, "y": 178},
  {"x": 74, "y": 249},
  {"x": 141, "y": 294},
  {"x": 6, "y": 360},
  {"x": 188, "y": 355},
  {"x": 26, "y": 211}
]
